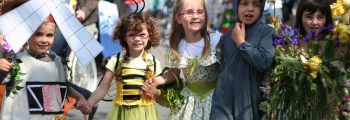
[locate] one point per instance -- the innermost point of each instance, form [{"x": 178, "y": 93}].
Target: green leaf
[
  {"x": 329, "y": 50},
  {"x": 18, "y": 87},
  {"x": 314, "y": 49}
]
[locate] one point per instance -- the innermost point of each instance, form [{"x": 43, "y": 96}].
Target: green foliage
[
  {"x": 172, "y": 93},
  {"x": 173, "y": 96},
  {"x": 16, "y": 74}
]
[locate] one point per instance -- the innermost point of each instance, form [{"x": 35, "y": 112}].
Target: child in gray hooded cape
[{"x": 246, "y": 56}]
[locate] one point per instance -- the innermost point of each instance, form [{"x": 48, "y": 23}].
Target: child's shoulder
[
  {"x": 152, "y": 57},
  {"x": 265, "y": 27}
]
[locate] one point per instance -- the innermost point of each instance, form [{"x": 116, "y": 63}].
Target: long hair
[
  {"x": 177, "y": 32},
  {"x": 313, "y": 6}
]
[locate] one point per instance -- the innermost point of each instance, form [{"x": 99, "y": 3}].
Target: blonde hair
[{"x": 177, "y": 32}]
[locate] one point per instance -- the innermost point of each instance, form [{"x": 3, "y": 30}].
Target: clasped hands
[{"x": 149, "y": 88}]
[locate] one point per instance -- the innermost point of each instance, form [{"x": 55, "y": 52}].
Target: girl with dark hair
[{"x": 312, "y": 15}]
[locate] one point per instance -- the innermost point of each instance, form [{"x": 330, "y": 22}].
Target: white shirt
[{"x": 195, "y": 49}]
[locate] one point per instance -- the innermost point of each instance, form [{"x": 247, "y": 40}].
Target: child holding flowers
[
  {"x": 137, "y": 33},
  {"x": 308, "y": 79}
]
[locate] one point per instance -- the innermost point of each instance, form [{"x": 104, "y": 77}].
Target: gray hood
[{"x": 235, "y": 12}]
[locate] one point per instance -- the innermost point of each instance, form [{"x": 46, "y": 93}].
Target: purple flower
[
  {"x": 313, "y": 33},
  {"x": 307, "y": 37},
  {"x": 328, "y": 28},
  {"x": 310, "y": 36},
  {"x": 277, "y": 40},
  {"x": 281, "y": 34},
  {"x": 336, "y": 42},
  {"x": 284, "y": 27},
  {"x": 6, "y": 47},
  {"x": 346, "y": 98},
  {"x": 295, "y": 32},
  {"x": 342, "y": 107},
  {"x": 295, "y": 41}
]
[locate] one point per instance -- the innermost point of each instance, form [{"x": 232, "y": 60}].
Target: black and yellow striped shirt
[{"x": 133, "y": 77}]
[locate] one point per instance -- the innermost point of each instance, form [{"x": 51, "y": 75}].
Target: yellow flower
[
  {"x": 345, "y": 18},
  {"x": 338, "y": 8},
  {"x": 346, "y": 3},
  {"x": 343, "y": 37},
  {"x": 313, "y": 64},
  {"x": 342, "y": 32}
]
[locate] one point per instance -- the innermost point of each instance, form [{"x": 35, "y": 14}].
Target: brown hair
[
  {"x": 132, "y": 22},
  {"x": 313, "y": 6},
  {"x": 9, "y": 5},
  {"x": 177, "y": 32}
]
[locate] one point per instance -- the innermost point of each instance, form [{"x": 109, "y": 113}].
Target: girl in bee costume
[{"x": 136, "y": 33}]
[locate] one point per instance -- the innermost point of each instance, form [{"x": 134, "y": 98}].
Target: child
[
  {"x": 43, "y": 83},
  {"x": 193, "y": 50},
  {"x": 246, "y": 55},
  {"x": 137, "y": 33},
  {"x": 312, "y": 16}
]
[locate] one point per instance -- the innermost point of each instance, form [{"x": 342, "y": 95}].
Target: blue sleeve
[{"x": 259, "y": 56}]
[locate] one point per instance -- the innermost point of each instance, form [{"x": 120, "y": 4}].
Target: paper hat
[{"x": 19, "y": 24}]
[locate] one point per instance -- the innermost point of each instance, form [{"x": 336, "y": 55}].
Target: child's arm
[
  {"x": 167, "y": 77},
  {"x": 101, "y": 90},
  {"x": 151, "y": 90},
  {"x": 259, "y": 56},
  {"x": 150, "y": 87},
  {"x": 81, "y": 101}
]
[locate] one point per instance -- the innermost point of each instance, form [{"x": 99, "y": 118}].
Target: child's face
[
  {"x": 192, "y": 15},
  {"x": 249, "y": 11},
  {"x": 313, "y": 21},
  {"x": 41, "y": 41},
  {"x": 137, "y": 42}
]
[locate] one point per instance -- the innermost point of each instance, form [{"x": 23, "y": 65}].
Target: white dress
[
  {"x": 15, "y": 106},
  {"x": 200, "y": 75}
]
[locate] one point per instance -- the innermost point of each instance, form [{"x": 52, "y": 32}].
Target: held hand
[
  {"x": 238, "y": 34},
  {"x": 80, "y": 14},
  {"x": 154, "y": 81},
  {"x": 5, "y": 65},
  {"x": 150, "y": 90},
  {"x": 83, "y": 106}
]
